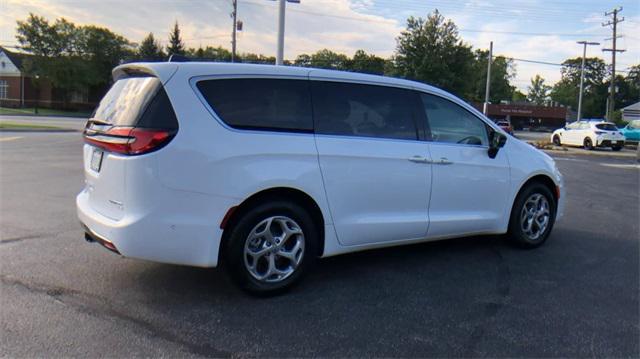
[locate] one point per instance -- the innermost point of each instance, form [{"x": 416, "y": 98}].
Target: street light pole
[
  {"x": 584, "y": 55},
  {"x": 281, "y": 12},
  {"x": 485, "y": 108}
]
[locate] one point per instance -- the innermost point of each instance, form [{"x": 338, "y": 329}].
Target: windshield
[
  {"x": 607, "y": 127},
  {"x": 635, "y": 124},
  {"x": 125, "y": 100}
]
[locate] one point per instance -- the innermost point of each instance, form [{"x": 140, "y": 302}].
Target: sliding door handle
[{"x": 419, "y": 159}]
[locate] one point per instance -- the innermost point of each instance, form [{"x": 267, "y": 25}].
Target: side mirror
[{"x": 496, "y": 142}]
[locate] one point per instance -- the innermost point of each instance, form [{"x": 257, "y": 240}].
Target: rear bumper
[
  {"x": 187, "y": 232},
  {"x": 609, "y": 142}
]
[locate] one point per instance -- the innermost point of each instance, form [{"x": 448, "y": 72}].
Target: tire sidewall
[
  {"x": 234, "y": 250},
  {"x": 556, "y": 140},
  {"x": 515, "y": 230},
  {"x": 587, "y": 143}
]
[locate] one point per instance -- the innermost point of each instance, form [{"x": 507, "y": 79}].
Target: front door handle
[
  {"x": 419, "y": 159},
  {"x": 443, "y": 161}
]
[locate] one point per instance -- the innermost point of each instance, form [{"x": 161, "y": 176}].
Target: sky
[{"x": 537, "y": 30}]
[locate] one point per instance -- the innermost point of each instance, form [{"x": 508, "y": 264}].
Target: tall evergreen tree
[
  {"x": 150, "y": 49},
  {"x": 176, "y": 46}
]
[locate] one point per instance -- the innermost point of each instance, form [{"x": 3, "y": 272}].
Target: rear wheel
[
  {"x": 533, "y": 216},
  {"x": 556, "y": 140},
  {"x": 271, "y": 247},
  {"x": 587, "y": 144}
]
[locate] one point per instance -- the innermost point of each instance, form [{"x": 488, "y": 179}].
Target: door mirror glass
[{"x": 496, "y": 141}]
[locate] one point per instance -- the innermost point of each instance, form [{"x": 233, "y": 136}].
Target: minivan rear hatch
[{"x": 133, "y": 119}]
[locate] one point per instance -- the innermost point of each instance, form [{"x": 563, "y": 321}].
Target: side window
[
  {"x": 363, "y": 110},
  {"x": 451, "y": 123},
  {"x": 270, "y": 104}
]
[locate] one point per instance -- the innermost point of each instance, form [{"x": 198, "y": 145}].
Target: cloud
[{"x": 342, "y": 25}]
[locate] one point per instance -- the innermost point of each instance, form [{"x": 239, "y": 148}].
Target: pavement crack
[
  {"x": 18, "y": 239},
  {"x": 97, "y": 307}
]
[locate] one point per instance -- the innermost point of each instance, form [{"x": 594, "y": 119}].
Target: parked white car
[
  {"x": 266, "y": 168},
  {"x": 589, "y": 134}
]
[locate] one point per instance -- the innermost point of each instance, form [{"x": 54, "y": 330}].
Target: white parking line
[
  {"x": 6, "y": 139},
  {"x": 628, "y": 166}
]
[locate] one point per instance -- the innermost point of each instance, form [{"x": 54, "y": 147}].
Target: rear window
[
  {"x": 126, "y": 99},
  {"x": 266, "y": 104},
  {"x": 607, "y": 127}
]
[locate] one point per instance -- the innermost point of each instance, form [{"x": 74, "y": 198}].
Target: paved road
[{"x": 576, "y": 296}]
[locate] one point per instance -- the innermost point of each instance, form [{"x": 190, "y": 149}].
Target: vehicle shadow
[{"x": 450, "y": 297}]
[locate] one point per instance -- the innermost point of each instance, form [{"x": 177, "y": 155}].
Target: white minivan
[{"x": 265, "y": 168}]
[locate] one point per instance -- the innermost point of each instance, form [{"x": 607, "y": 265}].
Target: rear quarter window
[
  {"x": 126, "y": 99},
  {"x": 262, "y": 104}
]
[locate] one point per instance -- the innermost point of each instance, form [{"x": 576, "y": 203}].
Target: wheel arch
[
  {"x": 289, "y": 193},
  {"x": 545, "y": 180}
]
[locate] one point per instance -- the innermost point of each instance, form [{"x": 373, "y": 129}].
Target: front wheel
[
  {"x": 271, "y": 247},
  {"x": 532, "y": 216},
  {"x": 556, "y": 140},
  {"x": 587, "y": 144}
]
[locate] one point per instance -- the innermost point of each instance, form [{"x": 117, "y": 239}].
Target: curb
[{"x": 50, "y": 130}]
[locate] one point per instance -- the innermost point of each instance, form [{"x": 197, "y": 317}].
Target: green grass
[
  {"x": 41, "y": 112},
  {"x": 26, "y": 126}
]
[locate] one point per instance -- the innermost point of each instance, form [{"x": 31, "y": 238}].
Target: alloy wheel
[
  {"x": 535, "y": 216},
  {"x": 274, "y": 249}
]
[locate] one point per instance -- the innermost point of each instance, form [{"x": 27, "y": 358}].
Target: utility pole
[
  {"x": 612, "y": 88},
  {"x": 234, "y": 15},
  {"x": 485, "y": 108},
  {"x": 584, "y": 55}
]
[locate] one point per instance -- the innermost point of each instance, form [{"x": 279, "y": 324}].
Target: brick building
[
  {"x": 17, "y": 88},
  {"x": 522, "y": 116}
]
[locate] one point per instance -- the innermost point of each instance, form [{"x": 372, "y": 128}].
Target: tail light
[
  {"x": 129, "y": 140},
  {"x": 147, "y": 129}
]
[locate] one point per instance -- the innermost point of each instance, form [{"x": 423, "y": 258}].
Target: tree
[
  {"x": 518, "y": 96},
  {"x": 502, "y": 71},
  {"x": 72, "y": 58},
  {"x": 150, "y": 49},
  {"x": 176, "y": 46},
  {"x": 431, "y": 51},
  {"x": 210, "y": 53},
  {"x": 594, "y": 98},
  {"x": 327, "y": 59},
  {"x": 538, "y": 91},
  {"x": 101, "y": 50},
  {"x": 365, "y": 63}
]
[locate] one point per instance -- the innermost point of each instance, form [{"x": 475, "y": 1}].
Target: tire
[
  {"x": 587, "y": 144},
  {"x": 280, "y": 273},
  {"x": 522, "y": 216},
  {"x": 616, "y": 148},
  {"x": 556, "y": 140}
]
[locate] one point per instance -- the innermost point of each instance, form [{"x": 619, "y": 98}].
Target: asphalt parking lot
[{"x": 576, "y": 296}]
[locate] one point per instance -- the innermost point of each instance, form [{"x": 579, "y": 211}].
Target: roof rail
[{"x": 178, "y": 58}]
